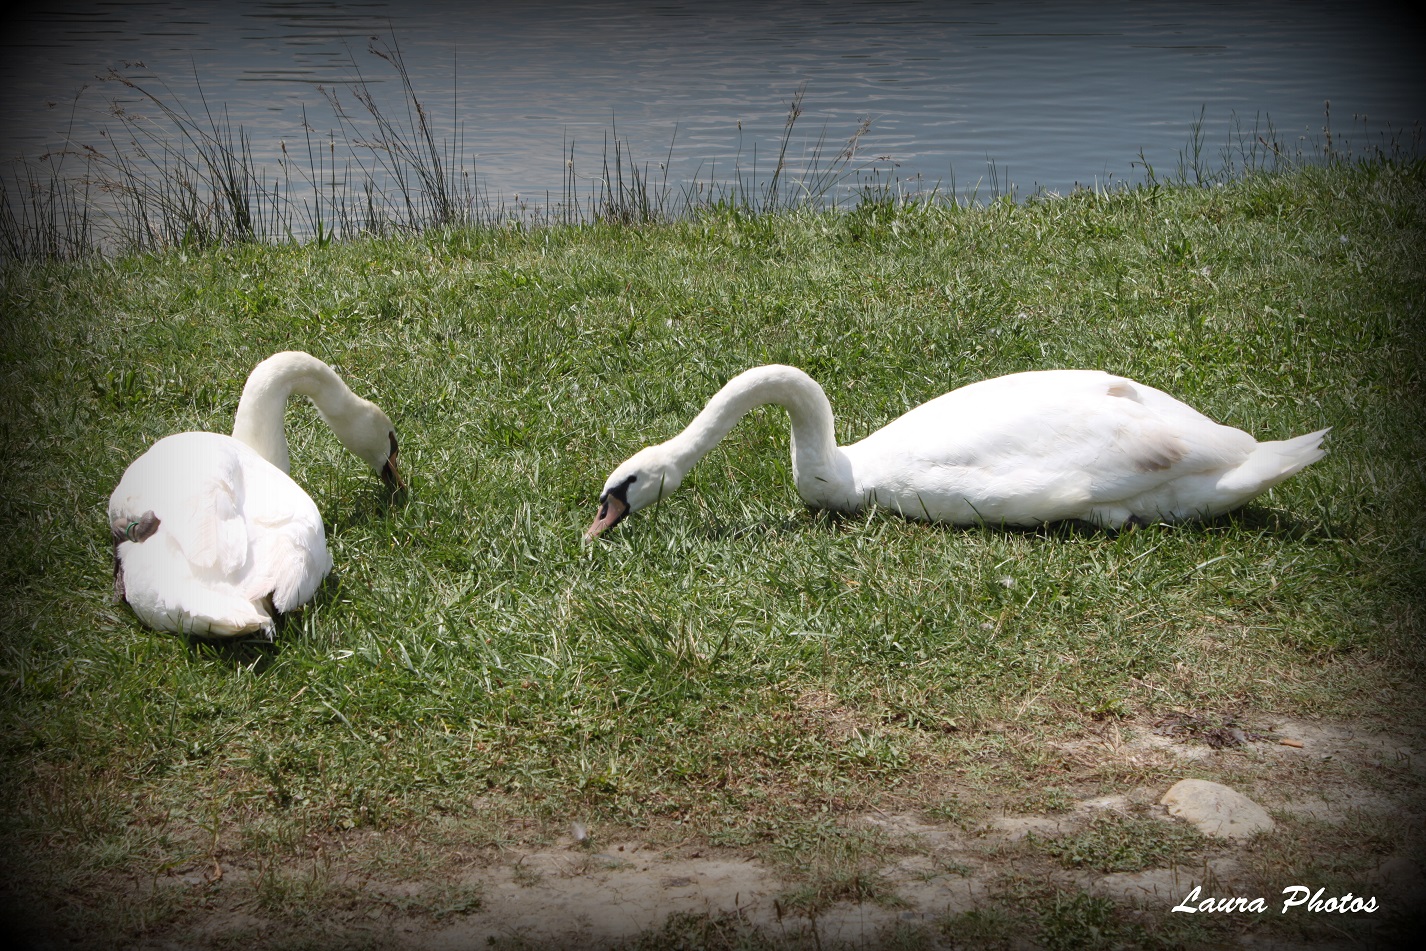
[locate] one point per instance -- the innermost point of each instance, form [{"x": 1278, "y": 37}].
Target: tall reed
[
  {"x": 431, "y": 188},
  {"x": 202, "y": 187},
  {"x": 166, "y": 176},
  {"x": 44, "y": 215}
]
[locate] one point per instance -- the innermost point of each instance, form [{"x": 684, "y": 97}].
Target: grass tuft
[{"x": 1125, "y": 844}]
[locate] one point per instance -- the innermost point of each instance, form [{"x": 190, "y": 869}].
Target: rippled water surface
[{"x": 1052, "y": 94}]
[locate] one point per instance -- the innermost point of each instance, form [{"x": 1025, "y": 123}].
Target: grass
[
  {"x": 729, "y": 669},
  {"x": 1125, "y": 844}
]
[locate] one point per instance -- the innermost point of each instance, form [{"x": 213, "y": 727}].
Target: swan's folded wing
[
  {"x": 1040, "y": 447},
  {"x": 1113, "y": 439},
  {"x": 212, "y": 531},
  {"x": 193, "y": 483},
  {"x": 1142, "y": 450},
  {"x": 290, "y": 556}
]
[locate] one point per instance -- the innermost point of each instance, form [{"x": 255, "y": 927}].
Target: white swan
[
  {"x": 1022, "y": 449},
  {"x": 211, "y": 535}
]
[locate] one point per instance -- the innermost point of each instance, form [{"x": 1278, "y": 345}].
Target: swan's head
[
  {"x": 643, "y": 479},
  {"x": 368, "y": 432}
]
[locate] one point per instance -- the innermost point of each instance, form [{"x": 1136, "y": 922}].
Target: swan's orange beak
[{"x": 612, "y": 509}]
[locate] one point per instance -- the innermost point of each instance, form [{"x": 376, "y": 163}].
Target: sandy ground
[{"x": 571, "y": 895}]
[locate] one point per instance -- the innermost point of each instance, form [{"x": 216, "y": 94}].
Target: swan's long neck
[
  {"x": 260, "y": 421},
  {"x": 822, "y": 472}
]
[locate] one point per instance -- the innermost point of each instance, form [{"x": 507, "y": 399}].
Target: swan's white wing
[
  {"x": 193, "y": 482},
  {"x": 290, "y": 556},
  {"x": 233, "y": 531},
  {"x": 1037, "y": 447},
  {"x": 165, "y": 593}
]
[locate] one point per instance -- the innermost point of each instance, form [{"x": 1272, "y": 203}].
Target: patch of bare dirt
[{"x": 568, "y": 894}]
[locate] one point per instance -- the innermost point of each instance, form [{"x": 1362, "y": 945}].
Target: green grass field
[{"x": 728, "y": 671}]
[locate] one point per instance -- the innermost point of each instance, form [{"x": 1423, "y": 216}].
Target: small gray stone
[{"x": 1215, "y": 810}]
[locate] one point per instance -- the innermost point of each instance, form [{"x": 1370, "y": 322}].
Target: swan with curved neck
[
  {"x": 360, "y": 424},
  {"x": 1023, "y": 449},
  {"x": 211, "y": 535}
]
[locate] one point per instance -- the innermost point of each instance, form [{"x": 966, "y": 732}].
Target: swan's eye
[{"x": 620, "y": 492}]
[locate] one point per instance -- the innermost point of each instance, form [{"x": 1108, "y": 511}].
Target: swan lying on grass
[
  {"x": 1024, "y": 449},
  {"x": 211, "y": 536}
]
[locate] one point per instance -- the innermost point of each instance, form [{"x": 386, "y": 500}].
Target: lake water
[{"x": 1039, "y": 93}]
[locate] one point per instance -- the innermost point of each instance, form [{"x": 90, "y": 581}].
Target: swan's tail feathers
[{"x": 1272, "y": 462}]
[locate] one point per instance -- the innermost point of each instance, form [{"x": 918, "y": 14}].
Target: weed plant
[
  {"x": 728, "y": 669},
  {"x": 1125, "y": 844}
]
